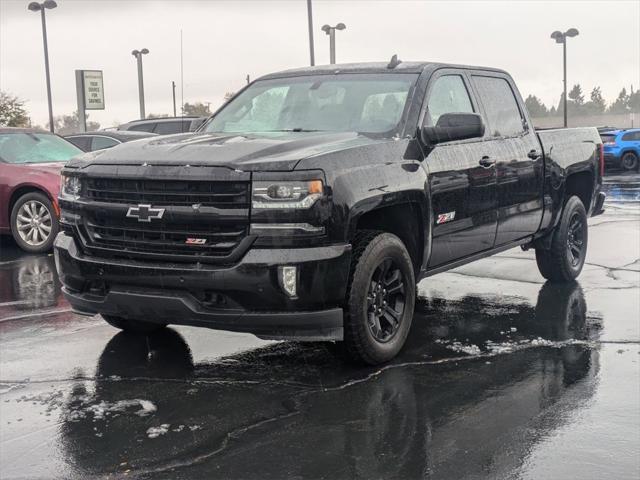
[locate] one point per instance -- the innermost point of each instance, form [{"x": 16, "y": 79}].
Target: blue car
[{"x": 622, "y": 148}]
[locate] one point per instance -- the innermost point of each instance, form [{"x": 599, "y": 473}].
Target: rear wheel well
[
  {"x": 404, "y": 221},
  {"x": 581, "y": 185}
]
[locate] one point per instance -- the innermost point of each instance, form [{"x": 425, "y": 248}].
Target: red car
[{"x": 30, "y": 163}]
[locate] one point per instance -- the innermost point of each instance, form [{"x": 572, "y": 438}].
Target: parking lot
[{"x": 503, "y": 376}]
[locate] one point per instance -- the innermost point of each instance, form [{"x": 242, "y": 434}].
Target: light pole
[
  {"x": 173, "y": 89},
  {"x": 138, "y": 54},
  {"x": 312, "y": 56},
  {"x": 41, "y": 7},
  {"x": 561, "y": 37},
  {"x": 331, "y": 31}
]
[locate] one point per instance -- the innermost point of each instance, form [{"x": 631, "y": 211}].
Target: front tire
[
  {"x": 629, "y": 162},
  {"x": 380, "y": 298},
  {"x": 563, "y": 262},
  {"x": 34, "y": 224},
  {"x": 128, "y": 325}
]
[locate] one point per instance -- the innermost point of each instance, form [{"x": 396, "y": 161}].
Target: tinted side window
[
  {"x": 448, "y": 95},
  {"x": 81, "y": 142},
  {"x": 167, "y": 128},
  {"x": 102, "y": 142},
  {"x": 503, "y": 114},
  {"x": 627, "y": 137},
  {"x": 143, "y": 127}
]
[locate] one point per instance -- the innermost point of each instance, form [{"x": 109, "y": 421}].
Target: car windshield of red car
[{"x": 35, "y": 148}]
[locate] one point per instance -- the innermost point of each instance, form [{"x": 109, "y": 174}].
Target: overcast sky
[{"x": 226, "y": 40}]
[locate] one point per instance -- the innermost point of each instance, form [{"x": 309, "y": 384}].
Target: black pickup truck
[{"x": 310, "y": 205}]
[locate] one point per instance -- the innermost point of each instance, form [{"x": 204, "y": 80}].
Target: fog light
[{"x": 289, "y": 280}]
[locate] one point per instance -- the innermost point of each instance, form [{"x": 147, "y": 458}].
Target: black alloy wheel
[
  {"x": 380, "y": 298},
  {"x": 575, "y": 239},
  {"x": 386, "y": 300}
]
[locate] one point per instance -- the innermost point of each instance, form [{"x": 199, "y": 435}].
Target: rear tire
[
  {"x": 563, "y": 262},
  {"x": 380, "y": 298},
  {"x": 129, "y": 325},
  {"x": 629, "y": 162}
]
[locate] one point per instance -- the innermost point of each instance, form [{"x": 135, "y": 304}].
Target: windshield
[
  {"x": 365, "y": 103},
  {"x": 35, "y": 148}
]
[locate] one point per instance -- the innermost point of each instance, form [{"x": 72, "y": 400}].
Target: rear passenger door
[
  {"x": 463, "y": 191},
  {"x": 516, "y": 150}
]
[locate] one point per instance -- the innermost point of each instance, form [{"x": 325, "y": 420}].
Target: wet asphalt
[{"x": 504, "y": 376}]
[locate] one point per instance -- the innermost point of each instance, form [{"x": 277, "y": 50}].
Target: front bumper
[{"x": 245, "y": 297}]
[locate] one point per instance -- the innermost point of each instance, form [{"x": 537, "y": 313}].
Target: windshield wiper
[{"x": 296, "y": 130}]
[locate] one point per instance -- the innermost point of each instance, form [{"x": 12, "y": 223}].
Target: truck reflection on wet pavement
[{"x": 503, "y": 376}]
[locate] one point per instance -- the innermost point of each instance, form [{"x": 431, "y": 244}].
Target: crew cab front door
[{"x": 461, "y": 183}]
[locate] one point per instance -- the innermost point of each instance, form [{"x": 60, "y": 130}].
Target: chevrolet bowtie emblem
[{"x": 144, "y": 213}]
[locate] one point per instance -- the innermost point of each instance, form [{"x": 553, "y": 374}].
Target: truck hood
[{"x": 279, "y": 151}]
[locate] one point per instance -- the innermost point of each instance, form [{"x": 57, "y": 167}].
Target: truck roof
[{"x": 370, "y": 67}]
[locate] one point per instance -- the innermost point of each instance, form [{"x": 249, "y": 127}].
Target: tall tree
[
  {"x": 634, "y": 101},
  {"x": 66, "y": 124},
  {"x": 621, "y": 104},
  {"x": 575, "y": 94},
  {"x": 596, "y": 104},
  {"x": 198, "y": 109},
  {"x": 12, "y": 111},
  {"x": 536, "y": 107}
]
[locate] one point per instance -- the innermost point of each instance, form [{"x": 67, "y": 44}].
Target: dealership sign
[
  {"x": 91, "y": 88},
  {"x": 90, "y": 93}
]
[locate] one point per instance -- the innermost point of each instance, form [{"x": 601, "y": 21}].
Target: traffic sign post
[{"x": 90, "y": 93}]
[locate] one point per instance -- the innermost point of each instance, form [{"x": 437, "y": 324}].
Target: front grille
[
  {"x": 169, "y": 192},
  {"x": 202, "y": 221}
]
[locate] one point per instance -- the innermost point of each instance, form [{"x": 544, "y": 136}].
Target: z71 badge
[
  {"x": 195, "y": 241},
  {"x": 445, "y": 217}
]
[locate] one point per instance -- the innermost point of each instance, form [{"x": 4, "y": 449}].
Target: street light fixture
[
  {"x": 331, "y": 31},
  {"x": 561, "y": 37},
  {"x": 41, "y": 7},
  {"x": 138, "y": 54}
]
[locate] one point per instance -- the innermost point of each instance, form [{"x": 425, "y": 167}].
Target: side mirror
[{"x": 453, "y": 126}]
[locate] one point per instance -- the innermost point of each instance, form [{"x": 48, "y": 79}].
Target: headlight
[
  {"x": 70, "y": 187},
  {"x": 286, "y": 195}
]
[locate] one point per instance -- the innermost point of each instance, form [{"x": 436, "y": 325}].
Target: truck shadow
[{"x": 298, "y": 410}]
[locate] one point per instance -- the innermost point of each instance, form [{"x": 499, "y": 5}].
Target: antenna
[{"x": 394, "y": 62}]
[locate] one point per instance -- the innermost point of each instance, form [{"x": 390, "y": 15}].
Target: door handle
[
  {"x": 533, "y": 154},
  {"x": 487, "y": 162}
]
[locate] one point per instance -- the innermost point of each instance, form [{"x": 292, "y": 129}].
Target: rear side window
[
  {"x": 448, "y": 95},
  {"x": 81, "y": 142},
  {"x": 631, "y": 136},
  {"x": 503, "y": 115},
  {"x": 167, "y": 128},
  {"x": 99, "y": 143},
  {"x": 143, "y": 127}
]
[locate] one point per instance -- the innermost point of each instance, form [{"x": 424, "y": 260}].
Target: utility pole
[
  {"x": 310, "y": 21},
  {"x": 173, "y": 89}
]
